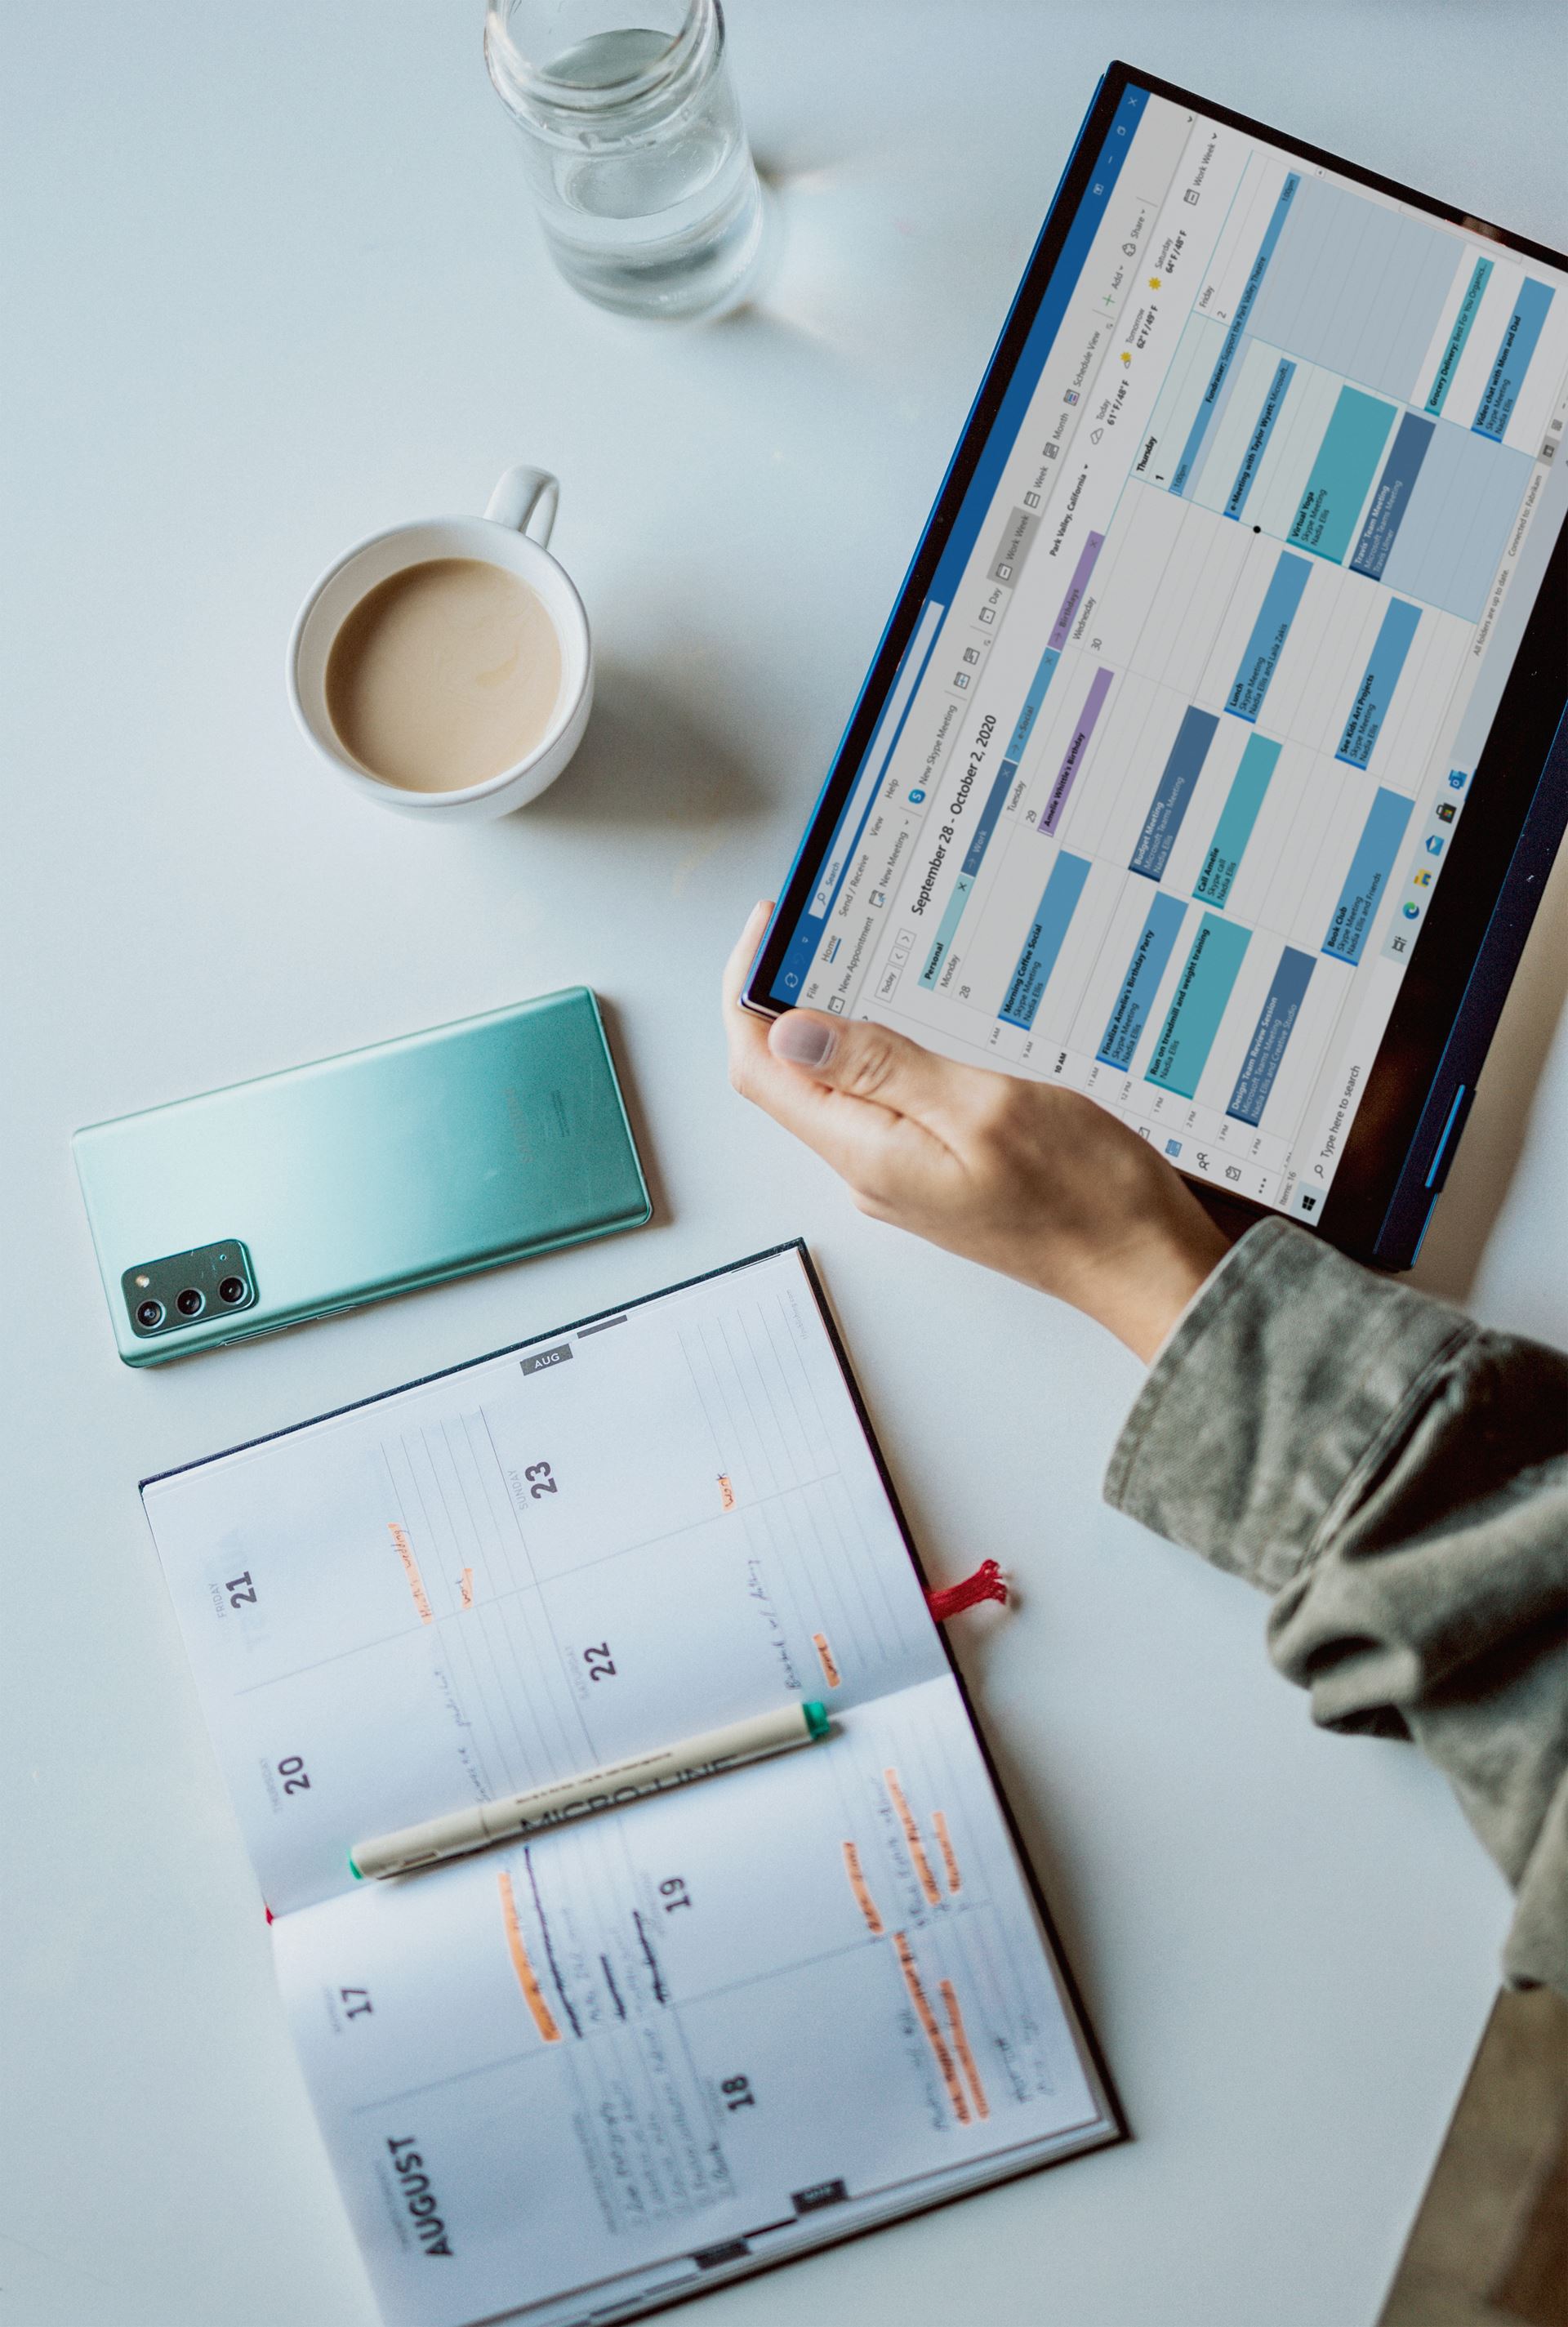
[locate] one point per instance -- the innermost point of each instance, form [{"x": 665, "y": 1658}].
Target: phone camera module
[{"x": 164, "y": 1298}]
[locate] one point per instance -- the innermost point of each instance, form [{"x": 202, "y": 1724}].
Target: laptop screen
[{"x": 1159, "y": 795}]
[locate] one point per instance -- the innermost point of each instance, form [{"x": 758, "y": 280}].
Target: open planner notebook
[{"x": 581, "y": 2075}]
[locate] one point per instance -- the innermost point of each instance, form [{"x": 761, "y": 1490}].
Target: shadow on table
[
  {"x": 1494, "y": 1138},
  {"x": 836, "y": 270},
  {"x": 648, "y": 759}
]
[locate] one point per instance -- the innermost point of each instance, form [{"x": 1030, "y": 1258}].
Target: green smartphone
[{"x": 314, "y": 1191}]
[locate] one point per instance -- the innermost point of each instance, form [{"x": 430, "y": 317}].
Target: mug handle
[{"x": 522, "y": 496}]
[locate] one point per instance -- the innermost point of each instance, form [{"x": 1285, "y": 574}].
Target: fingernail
[{"x": 804, "y": 1042}]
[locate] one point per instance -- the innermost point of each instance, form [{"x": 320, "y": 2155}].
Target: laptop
[{"x": 1214, "y": 757}]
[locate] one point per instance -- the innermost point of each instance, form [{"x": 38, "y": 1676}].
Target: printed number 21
[{"x": 541, "y": 1479}]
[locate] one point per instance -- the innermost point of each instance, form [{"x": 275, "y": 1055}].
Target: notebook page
[
  {"x": 683, "y": 2041},
  {"x": 619, "y": 1537}
]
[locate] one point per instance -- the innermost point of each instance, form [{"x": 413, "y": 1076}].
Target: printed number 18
[{"x": 738, "y": 2093}]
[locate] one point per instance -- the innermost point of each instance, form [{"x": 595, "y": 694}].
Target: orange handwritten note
[
  {"x": 928, "y": 2020},
  {"x": 916, "y": 1848},
  {"x": 544, "y": 2019},
  {"x": 949, "y": 1856},
  {"x": 862, "y": 1898},
  {"x": 961, "y": 2046},
  {"x": 404, "y": 1550}
]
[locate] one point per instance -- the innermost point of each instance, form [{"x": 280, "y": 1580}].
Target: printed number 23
[{"x": 541, "y": 1479}]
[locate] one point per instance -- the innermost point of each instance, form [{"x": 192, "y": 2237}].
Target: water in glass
[{"x": 635, "y": 150}]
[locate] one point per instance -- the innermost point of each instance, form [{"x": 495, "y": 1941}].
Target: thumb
[{"x": 864, "y": 1062}]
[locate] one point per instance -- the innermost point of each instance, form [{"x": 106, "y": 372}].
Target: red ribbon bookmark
[{"x": 987, "y": 1582}]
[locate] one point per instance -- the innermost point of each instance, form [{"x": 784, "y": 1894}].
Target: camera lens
[
  {"x": 231, "y": 1290},
  {"x": 148, "y": 1314},
  {"x": 190, "y": 1303}
]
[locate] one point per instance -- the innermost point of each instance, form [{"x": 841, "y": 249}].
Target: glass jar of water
[{"x": 634, "y": 147}]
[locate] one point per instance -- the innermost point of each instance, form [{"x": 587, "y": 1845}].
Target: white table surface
[{"x": 271, "y": 281}]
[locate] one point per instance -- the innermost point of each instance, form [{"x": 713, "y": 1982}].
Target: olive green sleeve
[{"x": 1397, "y": 1478}]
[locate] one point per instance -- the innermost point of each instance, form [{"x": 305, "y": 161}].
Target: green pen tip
[
  {"x": 354, "y": 1870},
  {"x": 816, "y": 1722}
]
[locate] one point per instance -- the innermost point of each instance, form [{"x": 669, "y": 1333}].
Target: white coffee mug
[{"x": 511, "y": 534}]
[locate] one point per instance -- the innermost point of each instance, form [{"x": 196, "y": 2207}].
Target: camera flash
[{"x": 143, "y": 1283}]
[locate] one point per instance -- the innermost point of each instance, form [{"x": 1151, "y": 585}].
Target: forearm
[
  {"x": 1397, "y": 1478},
  {"x": 1394, "y": 1475}
]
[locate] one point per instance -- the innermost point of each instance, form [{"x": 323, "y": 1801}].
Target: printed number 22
[
  {"x": 599, "y": 1662},
  {"x": 541, "y": 1479}
]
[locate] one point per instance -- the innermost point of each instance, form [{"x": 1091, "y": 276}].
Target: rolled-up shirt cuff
[{"x": 1265, "y": 1411}]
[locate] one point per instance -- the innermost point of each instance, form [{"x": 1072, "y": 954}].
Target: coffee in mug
[
  {"x": 444, "y": 674},
  {"x": 444, "y": 669}
]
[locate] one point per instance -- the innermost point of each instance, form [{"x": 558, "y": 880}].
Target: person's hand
[{"x": 1039, "y": 1182}]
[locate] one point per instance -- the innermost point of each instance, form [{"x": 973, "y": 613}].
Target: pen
[{"x": 596, "y": 1789}]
